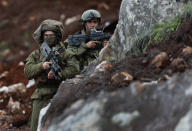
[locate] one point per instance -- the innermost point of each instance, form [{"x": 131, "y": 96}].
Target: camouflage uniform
[
  {"x": 46, "y": 88},
  {"x": 85, "y": 54}
]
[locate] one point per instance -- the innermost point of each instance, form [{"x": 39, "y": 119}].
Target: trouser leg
[{"x": 38, "y": 104}]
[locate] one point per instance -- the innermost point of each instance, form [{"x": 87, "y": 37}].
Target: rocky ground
[
  {"x": 138, "y": 107},
  {"x": 158, "y": 63},
  {"x": 20, "y": 19},
  {"x": 17, "y": 23}
]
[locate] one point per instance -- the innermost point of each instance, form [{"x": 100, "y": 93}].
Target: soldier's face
[
  {"x": 92, "y": 24},
  {"x": 48, "y": 34},
  {"x": 49, "y": 37}
]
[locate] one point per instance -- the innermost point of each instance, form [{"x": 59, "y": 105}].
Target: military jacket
[
  {"x": 85, "y": 55},
  {"x": 34, "y": 70}
]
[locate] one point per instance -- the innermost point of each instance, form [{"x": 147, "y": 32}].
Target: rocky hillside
[
  {"x": 134, "y": 89},
  {"x": 144, "y": 84},
  {"x": 18, "y": 20},
  {"x": 142, "y": 81}
]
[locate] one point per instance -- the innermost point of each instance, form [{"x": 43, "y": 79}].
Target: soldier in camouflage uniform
[
  {"x": 87, "y": 52},
  {"x": 50, "y": 31}
]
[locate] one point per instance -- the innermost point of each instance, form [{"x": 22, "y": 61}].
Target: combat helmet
[
  {"x": 89, "y": 15},
  {"x": 49, "y": 24}
]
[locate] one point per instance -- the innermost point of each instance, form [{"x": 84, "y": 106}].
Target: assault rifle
[
  {"x": 76, "y": 40},
  {"x": 52, "y": 56}
]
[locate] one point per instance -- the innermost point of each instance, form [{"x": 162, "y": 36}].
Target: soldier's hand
[
  {"x": 92, "y": 44},
  {"x": 105, "y": 42},
  {"x": 46, "y": 65},
  {"x": 50, "y": 75}
]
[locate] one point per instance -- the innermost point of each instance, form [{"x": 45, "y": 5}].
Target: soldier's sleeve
[
  {"x": 32, "y": 67},
  {"x": 78, "y": 50},
  {"x": 72, "y": 66}
]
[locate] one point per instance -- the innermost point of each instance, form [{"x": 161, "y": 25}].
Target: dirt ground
[
  {"x": 21, "y": 18},
  {"x": 159, "y": 62},
  {"x": 18, "y": 20}
]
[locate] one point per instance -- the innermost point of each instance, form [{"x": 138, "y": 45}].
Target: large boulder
[
  {"x": 140, "y": 107},
  {"x": 135, "y": 18}
]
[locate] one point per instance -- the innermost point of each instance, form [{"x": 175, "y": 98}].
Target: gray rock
[
  {"x": 159, "y": 107},
  {"x": 135, "y": 18},
  {"x": 85, "y": 119},
  {"x": 185, "y": 124},
  {"x": 124, "y": 119},
  {"x": 188, "y": 92}
]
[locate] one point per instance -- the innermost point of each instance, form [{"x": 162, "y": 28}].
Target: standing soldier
[
  {"x": 51, "y": 32},
  {"x": 87, "y": 52}
]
